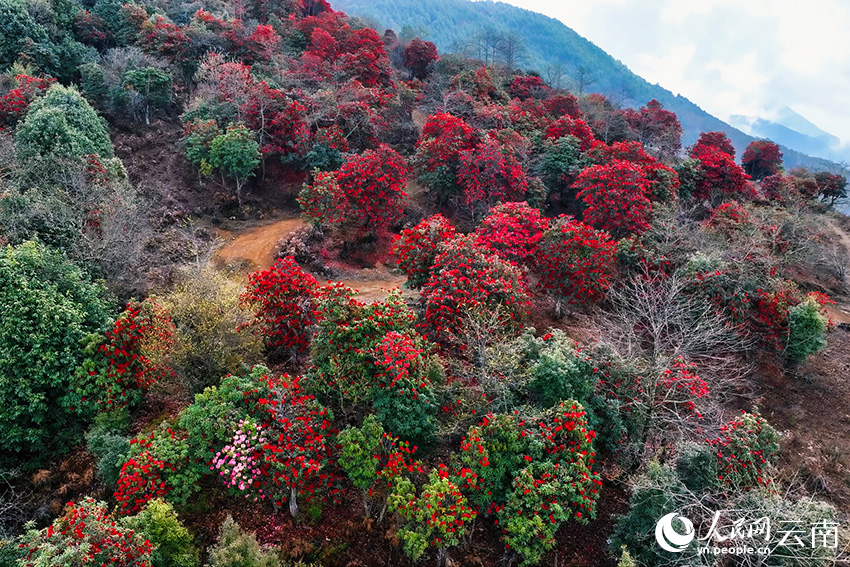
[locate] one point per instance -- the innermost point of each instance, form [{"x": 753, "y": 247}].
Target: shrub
[
  {"x": 62, "y": 125},
  {"x": 239, "y": 462},
  {"x": 438, "y": 150},
  {"x": 575, "y": 262},
  {"x": 236, "y": 154},
  {"x": 745, "y": 448},
  {"x": 404, "y": 398},
  {"x": 209, "y": 420},
  {"x": 512, "y": 231},
  {"x": 42, "y": 292},
  {"x": 159, "y": 465},
  {"x": 415, "y": 250},
  {"x": 282, "y": 299},
  {"x": 807, "y": 325},
  {"x": 436, "y": 517},
  {"x": 86, "y": 535},
  {"x": 171, "y": 541},
  {"x": 696, "y": 466},
  {"x": 616, "y": 197},
  {"x": 464, "y": 278},
  {"x": 150, "y": 90},
  {"x": 489, "y": 173},
  {"x": 18, "y": 29},
  {"x": 110, "y": 446},
  {"x": 236, "y": 548},
  {"x": 560, "y": 372},
  {"x": 343, "y": 372},
  {"x": 207, "y": 315}
]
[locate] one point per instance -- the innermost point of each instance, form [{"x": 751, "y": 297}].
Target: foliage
[
  {"x": 745, "y": 449},
  {"x": 62, "y": 125},
  {"x": 404, "y": 397},
  {"x": 438, "y": 153},
  {"x": 575, "y": 127},
  {"x": 109, "y": 445},
  {"x": 171, "y": 541},
  {"x": 236, "y": 154},
  {"x": 282, "y": 299},
  {"x": 616, "y": 197},
  {"x": 86, "y": 535},
  {"x": 415, "y": 250},
  {"x": 42, "y": 292},
  {"x": 238, "y": 462},
  {"x": 127, "y": 360},
  {"x": 575, "y": 262},
  {"x": 150, "y": 89},
  {"x": 761, "y": 159},
  {"x": 236, "y": 548},
  {"x": 373, "y": 186},
  {"x": 718, "y": 140},
  {"x": 418, "y": 56},
  {"x": 719, "y": 176},
  {"x": 436, "y": 516},
  {"x": 344, "y": 369},
  {"x": 489, "y": 173},
  {"x": 512, "y": 231},
  {"x": 807, "y": 325},
  {"x": 158, "y": 465},
  {"x": 207, "y": 316},
  {"x": 15, "y": 104},
  {"x": 465, "y": 277}
]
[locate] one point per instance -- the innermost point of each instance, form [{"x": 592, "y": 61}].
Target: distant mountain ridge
[{"x": 450, "y": 23}]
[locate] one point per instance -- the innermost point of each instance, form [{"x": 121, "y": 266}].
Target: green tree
[
  {"x": 806, "y": 330},
  {"x": 17, "y": 29},
  {"x": 48, "y": 308},
  {"x": 236, "y": 154},
  {"x": 172, "y": 542},
  {"x": 149, "y": 88},
  {"x": 236, "y": 548},
  {"x": 62, "y": 125}
]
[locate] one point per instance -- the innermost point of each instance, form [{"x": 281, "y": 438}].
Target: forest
[{"x": 279, "y": 289}]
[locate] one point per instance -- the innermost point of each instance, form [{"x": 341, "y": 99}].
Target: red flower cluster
[
  {"x": 283, "y": 300},
  {"x": 744, "y": 449},
  {"x": 142, "y": 330},
  {"x": 466, "y": 277},
  {"x": 15, "y": 103},
  {"x": 575, "y": 262},
  {"x": 415, "y": 250},
  {"x": 576, "y": 127},
  {"x": 512, "y": 231},
  {"x": 616, "y": 196},
  {"x": 489, "y": 174},
  {"x": 373, "y": 185},
  {"x": 92, "y": 537},
  {"x": 720, "y": 177},
  {"x": 141, "y": 480}
]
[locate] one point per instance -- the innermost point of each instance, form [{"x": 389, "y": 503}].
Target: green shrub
[
  {"x": 358, "y": 450},
  {"x": 149, "y": 88},
  {"x": 172, "y": 543},
  {"x": 17, "y": 28},
  {"x": 236, "y": 548},
  {"x": 209, "y": 421},
  {"x": 696, "y": 466},
  {"x": 109, "y": 445},
  {"x": 745, "y": 450},
  {"x": 62, "y": 125},
  {"x": 560, "y": 372},
  {"x": 48, "y": 308},
  {"x": 807, "y": 330}
]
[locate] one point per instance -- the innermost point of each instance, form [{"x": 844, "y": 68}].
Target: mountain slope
[{"x": 450, "y": 24}]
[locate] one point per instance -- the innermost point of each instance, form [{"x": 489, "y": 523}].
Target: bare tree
[{"x": 512, "y": 50}]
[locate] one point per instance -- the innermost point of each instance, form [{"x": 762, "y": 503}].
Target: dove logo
[{"x": 668, "y": 538}]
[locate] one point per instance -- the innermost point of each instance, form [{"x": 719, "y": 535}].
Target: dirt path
[{"x": 254, "y": 248}]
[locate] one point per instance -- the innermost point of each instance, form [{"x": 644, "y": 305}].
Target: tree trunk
[{"x": 293, "y": 503}]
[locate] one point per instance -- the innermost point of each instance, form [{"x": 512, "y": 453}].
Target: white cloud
[{"x": 727, "y": 56}]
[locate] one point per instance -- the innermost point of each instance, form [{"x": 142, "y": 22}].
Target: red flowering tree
[
  {"x": 527, "y": 87},
  {"x": 720, "y": 177},
  {"x": 438, "y": 152},
  {"x": 562, "y": 105},
  {"x": 745, "y": 448},
  {"x": 616, "y": 197},
  {"x": 88, "y": 534},
  {"x": 718, "y": 140},
  {"x": 415, "y": 250},
  {"x": 465, "y": 278},
  {"x": 831, "y": 186},
  {"x": 298, "y": 455},
  {"x": 489, "y": 173},
  {"x": 373, "y": 184},
  {"x": 656, "y": 128},
  {"x": 15, "y": 103},
  {"x": 282, "y": 299},
  {"x": 762, "y": 158},
  {"x": 567, "y": 126},
  {"x": 575, "y": 261},
  {"x": 512, "y": 231},
  {"x": 418, "y": 57}
]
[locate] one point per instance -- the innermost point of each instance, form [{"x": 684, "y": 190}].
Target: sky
[{"x": 728, "y": 56}]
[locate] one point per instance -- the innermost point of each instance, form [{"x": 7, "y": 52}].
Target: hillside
[
  {"x": 282, "y": 290},
  {"x": 451, "y": 24}
]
